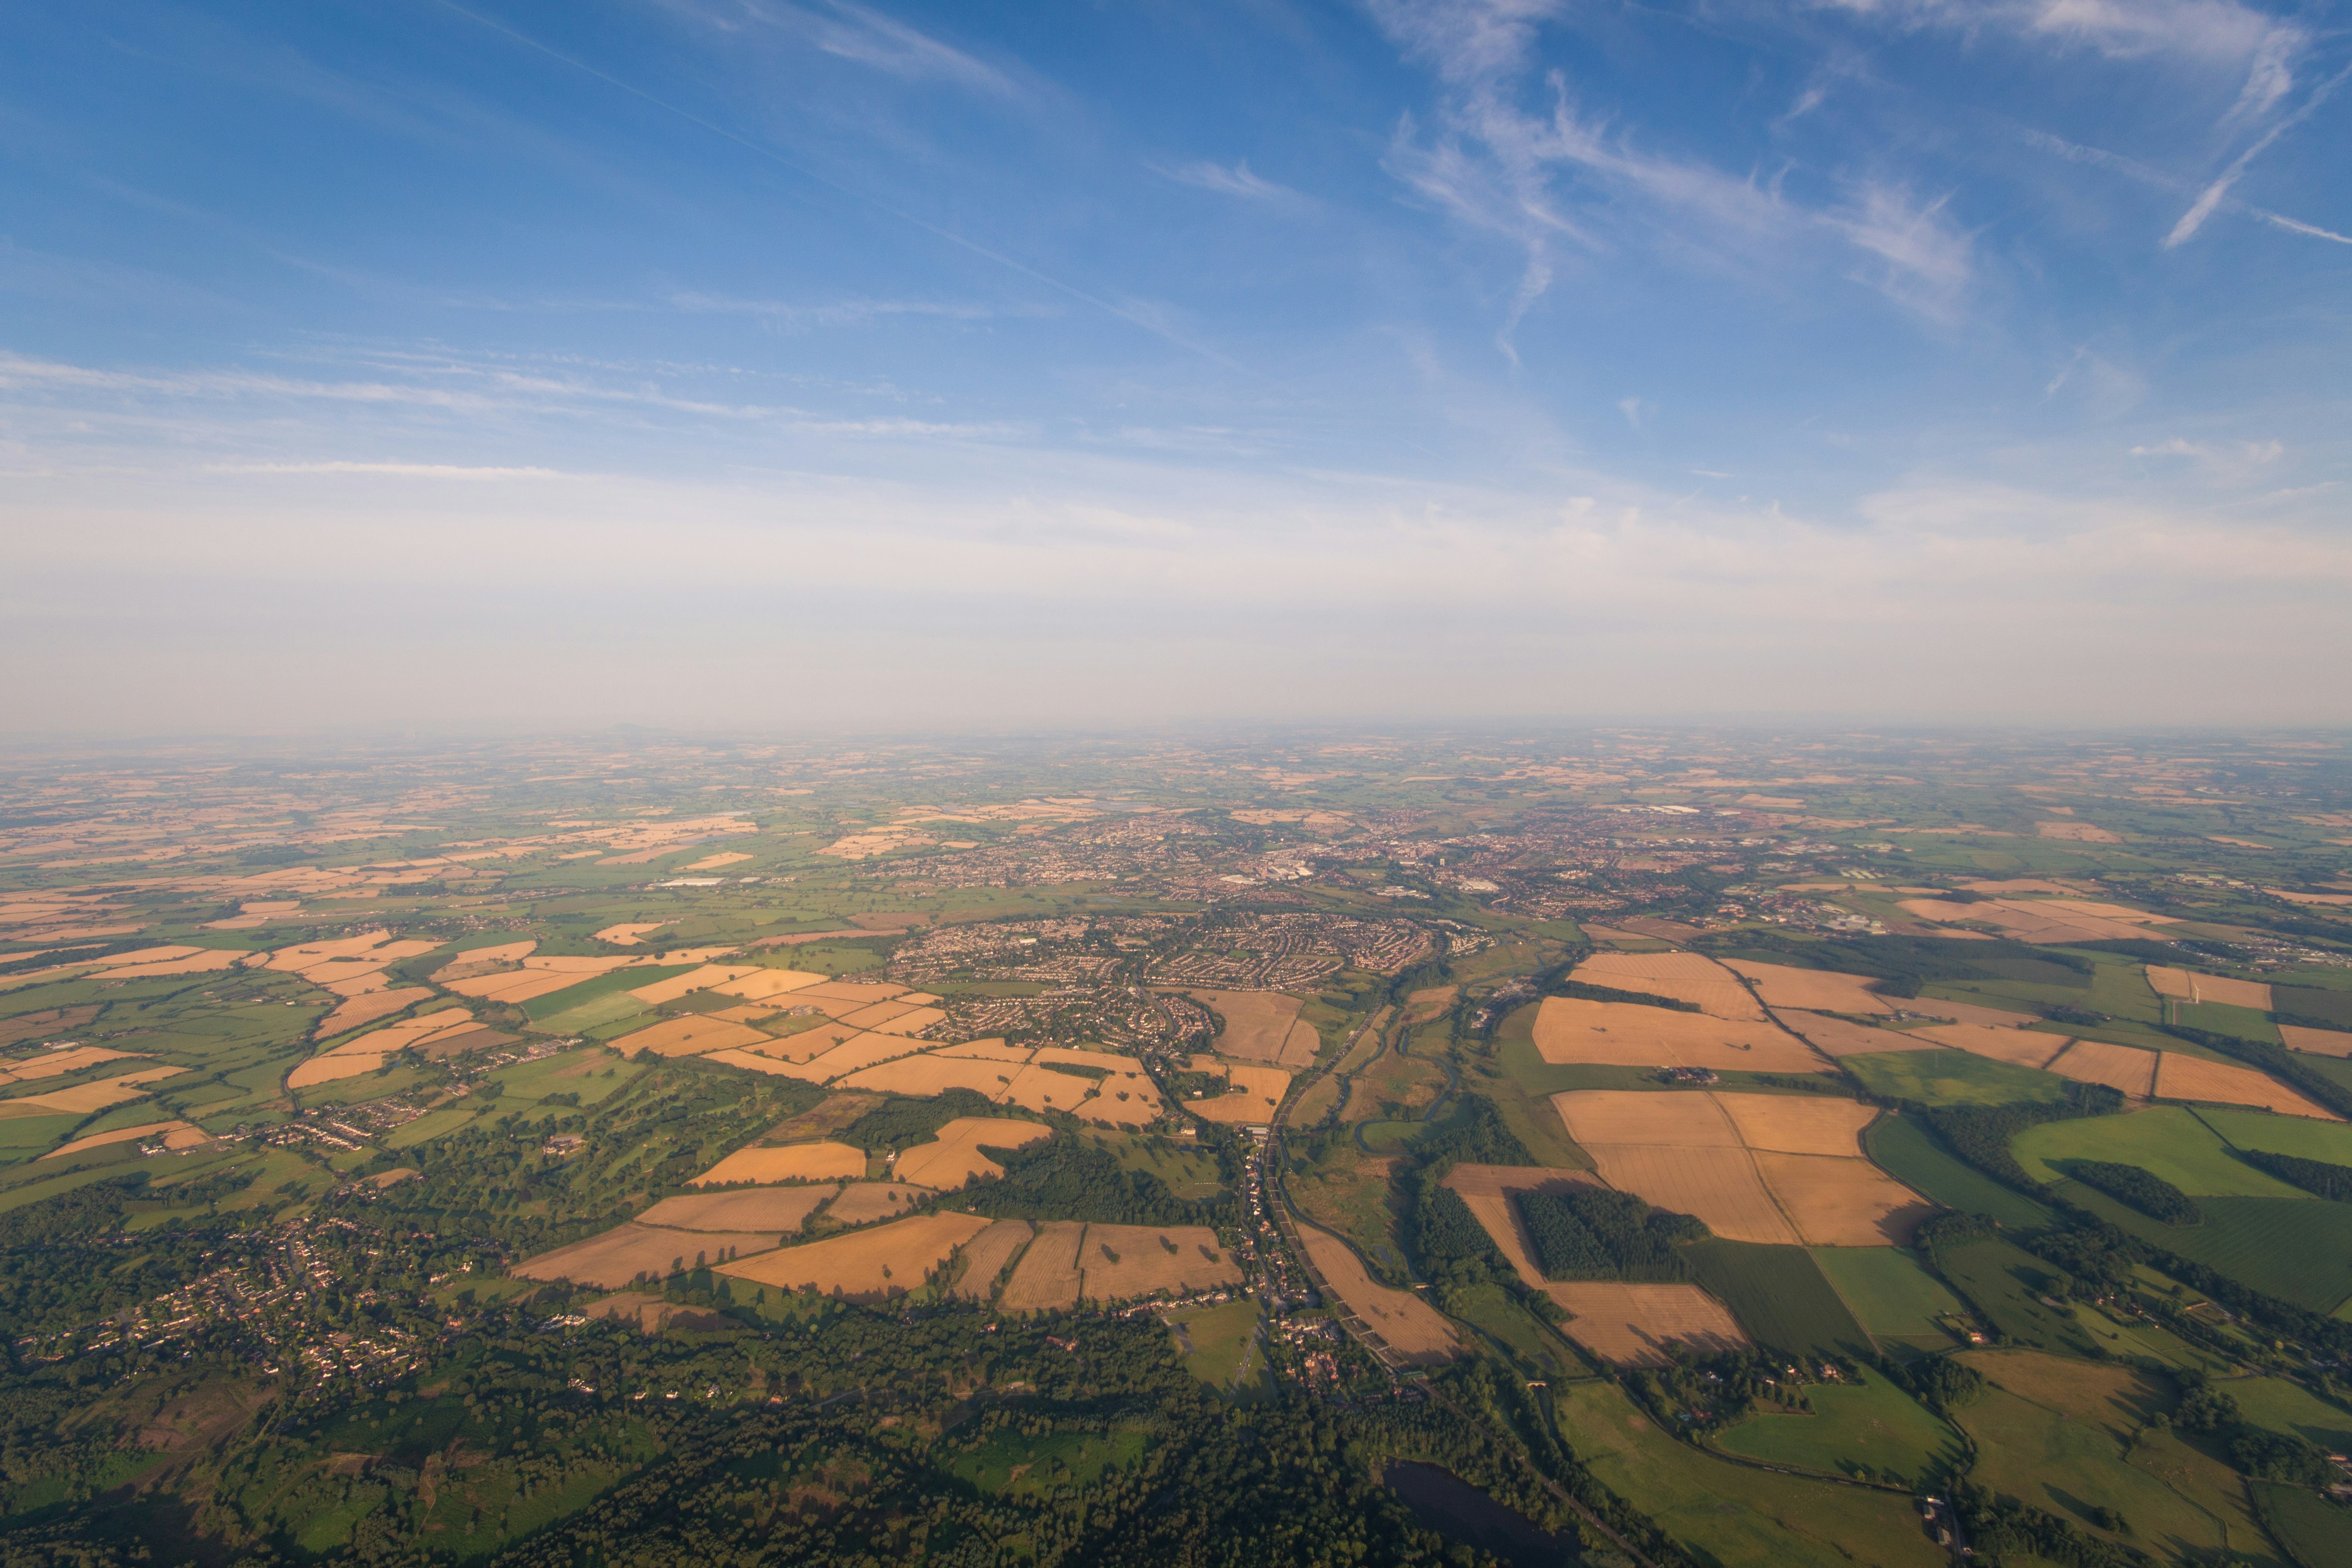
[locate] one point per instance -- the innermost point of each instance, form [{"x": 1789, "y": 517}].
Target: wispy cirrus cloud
[
  {"x": 1564, "y": 176},
  {"x": 858, "y": 32},
  {"x": 1238, "y": 181}
]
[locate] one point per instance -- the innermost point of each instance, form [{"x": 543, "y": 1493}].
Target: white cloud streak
[{"x": 1238, "y": 181}]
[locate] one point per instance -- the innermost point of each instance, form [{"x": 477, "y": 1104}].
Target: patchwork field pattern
[
  {"x": 1810, "y": 990},
  {"x": 2019, "y": 1048},
  {"x": 1684, "y": 976},
  {"x": 1643, "y": 1325},
  {"x": 1260, "y": 1026},
  {"x": 1047, "y": 1276},
  {"x": 988, "y": 1253},
  {"x": 1486, "y": 1192},
  {"x": 1569, "y": 1029},
  {"x": 2188, "y": 985},
  {"x": 1779, "y": 1169},
  {"x": 869, "y": 1265},
  {"x": 870, "y": 1203},
  {"x": 2118, "y": 1067},
  {"x": 1412, "y": 1329},
  {"x": 782, "y": 1210},
  {"x": 627, "y": 1252}
]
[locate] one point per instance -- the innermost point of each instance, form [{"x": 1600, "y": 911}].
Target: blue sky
[{"x": 742, "y": 362}]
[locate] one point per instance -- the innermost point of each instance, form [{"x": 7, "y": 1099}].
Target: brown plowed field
[
  {"x": 869, "y": 1265},
  {"x": 1415, "y": 1331},
  {"x": 1120, "y": 1262},
  {"x": 1047, "y": 1276},
  {"x": 780, "y": 1210},
  {"x": 616, "y": 1257},
  {"x": 794, "y": 1162},
  {"x": 1570, "y": 1030},
  {"x": 1639, "y": 1325},
  {"x": 1813, "y": 990}
]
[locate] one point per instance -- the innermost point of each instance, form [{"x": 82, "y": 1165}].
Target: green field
[
  {"x": 1223, "y": 1347},
  {"x": 2005, "y": 1284},
  {"x": 1535, "y": 1350},
  {"x": 1727, "y": 1515},
  {"x": 1909, "y": 1153},
  {"x": 2059, "y": 1435},
  {"x": 1189, "y": 1172},
  {"x": 2298, "y": 1249},
  {"x": 1893, "y": 1295},
  {"x": 589, "y": 1071},
  {"x": 1009, "y": 1462},
  {"x": 2167, "y": 1141},
  {"x": 2316, "y": 1532},
  {"x": 2296, "y": 1135},
  {"x": 1779, "y": 1296},
  {"x": 1951, "y": 1077},
  {"x": 587, "y": 1015},
  {"x": 2289, "y": 1407},
  {"x": 1872, "y": 1431},
  {"x": 2217, "y": 1018},
  {"x": 617, "y": 981}
]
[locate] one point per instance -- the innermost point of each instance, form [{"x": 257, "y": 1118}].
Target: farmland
[
  {"x": 1947, "y": 1077},
  {"x": 1779, "y": 1296},
  {"x": 1867, "y": 1428},
  {"x": 2165, "y": 1141},
  {"x": 1890, "y": 1294}
]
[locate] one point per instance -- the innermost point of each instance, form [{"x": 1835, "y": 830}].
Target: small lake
[{"x": 1443, "y": 1501}]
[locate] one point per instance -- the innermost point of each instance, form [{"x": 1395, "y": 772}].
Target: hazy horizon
[{"x": 745, "y": 366}]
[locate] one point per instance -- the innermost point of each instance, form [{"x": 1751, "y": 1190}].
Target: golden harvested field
[
  {"x": 1684, "y": 976},
  {"x": 860, "y": 1052},
  {"x": 693, "y": 980},
  {"x": 1798, "y": 1124},
  {"x": 2119, "y": 1067},
  {"x": 805, "y": 1044},
  {"x": 333, "y": 1067},
  {"x": 713, "y": 862},
  {"x": 1814, "y": 990},
  {"x": 1843, "y": 1203},
  {"x": 366, "y": 1009},
  {"x": 774, "y": 1066},
  {"x": 778, "y": 1210},
  {"x": 195, "y": 963},
  {"x": 1785, "y": 1169},
  {"x": 1640, "y": 1325},
  {"x": 914, "y": 1021},
  {"x": 762, "y": 983},
  {"x": 953, "y": 1156},
  {"x": 2180, "y": 1077},
  {"x": 875, "y": 1014},
  {"x": 629, "y": 935},
  {"x": 2046, "y": 921},
  {"x": 620, "y": 1256},
  {"x": 1250, "y": 1095},
  {"x": 2022, "y": 1047},
  {"x": 1042, "y": 1088},
  {"x": 100, "y": 1094},
  {"x": 51, "y": 1064},
  {"x": 2318, "y": 1042},
  {"x": 1722, "y": 1186},
  {"x": 1570, "y": 1030},
  {"x": 1257, "y": 1023},
  {"x": 176, "y": 1135},
  {"x": 868, "y": 1203},
  {"x": 869, "y": 1265},
  {"x": 1486, "y": 1191},
  {"x": 987, "y": 1255},
  {"x": 689, "y": 1036},
  {"x": 1412, "y": 1329},
  {"x": 1844, "y": 1037},
  {"x": 2188, "y": 985},
  {"x": 987, "y": 1050},
  {"x": 1047, "y": 1275},
  {"x": 505, "y": 952},
  {"x": 793, "y": 1163},
  {"x": 862, "y": 992},
  {"x": 933, "y": 1072},
  {"x": 1120, "y": 1262},
  {"x": 1685, "y": 1118}
]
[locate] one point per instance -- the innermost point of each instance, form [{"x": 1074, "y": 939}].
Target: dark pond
[{"x": 1444, "y": 1502}]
